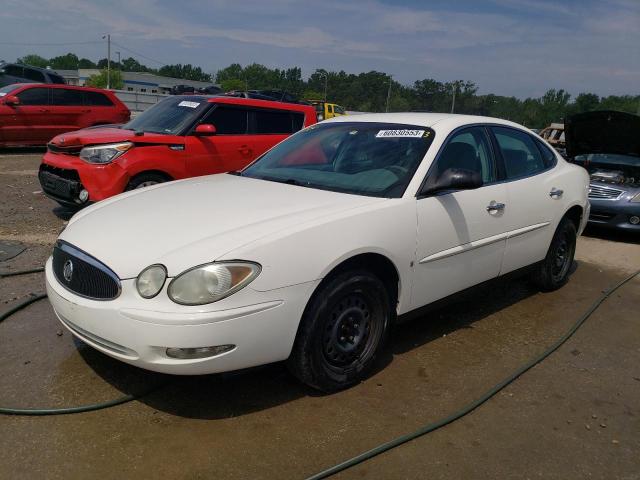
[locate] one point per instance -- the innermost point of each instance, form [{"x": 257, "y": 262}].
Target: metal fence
[{"x": 138, "y": 101}]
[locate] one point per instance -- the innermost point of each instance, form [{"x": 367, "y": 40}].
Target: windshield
[
  {"x": 170, "y": 116},
  {"x": 373, "y": 159},
  {"x": 9, "y": 88}
]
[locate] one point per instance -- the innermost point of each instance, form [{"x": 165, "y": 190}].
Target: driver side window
[{"x": 468, "y": 149}]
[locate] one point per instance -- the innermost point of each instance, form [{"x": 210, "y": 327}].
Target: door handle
[
  {"x": 43, "y": 110},
  {"x": 244, "y": 149},
  {"x": 495, "y": 207},
  {"x": 556, "y": 193}
]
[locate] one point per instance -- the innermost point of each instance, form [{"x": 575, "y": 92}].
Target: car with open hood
[
  {"x": 311, "y": 252},
  {"x": 180, "y": 137},
  {"x": 607, "y": 145}
]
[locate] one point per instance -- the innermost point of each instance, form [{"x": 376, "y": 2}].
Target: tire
[
  {"x": 553, "y": 272},
  {"x": 146, "y": 180},
  {"x": 342, "y": 330}
]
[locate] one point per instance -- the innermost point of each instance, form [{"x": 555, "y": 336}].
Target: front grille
[
  {"x": 73, "y": 150},
  {"x": 82, "y": 274},
  {"x": 600, "y": 192},
  {"x": 65, "y": 173}
]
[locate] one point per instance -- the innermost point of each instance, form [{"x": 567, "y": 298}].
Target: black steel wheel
[
  {"x": 341, "y": 332},
  {"x": 553, "y": 272}
]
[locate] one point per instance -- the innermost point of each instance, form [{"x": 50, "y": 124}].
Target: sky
[{"x": 507, "y": 47}]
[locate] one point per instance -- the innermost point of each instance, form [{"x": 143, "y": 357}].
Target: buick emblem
[{"x": 67, "y": 270}]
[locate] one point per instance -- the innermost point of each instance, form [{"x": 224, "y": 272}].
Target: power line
[
  {"x": 139, "y": 54},
  {"x": 50, "y": 44}
]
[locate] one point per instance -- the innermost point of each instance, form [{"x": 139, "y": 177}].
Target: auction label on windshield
[
  {"x": 188, "y": 104},
  {"x": 400, "y": 134}
]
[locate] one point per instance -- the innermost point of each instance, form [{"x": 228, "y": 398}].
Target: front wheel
[
  {"x": 145, "y": 180},
  {"x": 553, "y": 272},
  {"x": 341, "y": 332}
]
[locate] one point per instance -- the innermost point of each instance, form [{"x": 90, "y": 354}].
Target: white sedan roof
[{"x": 450, "y": 120}]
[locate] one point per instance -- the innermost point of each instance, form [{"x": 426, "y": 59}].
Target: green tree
[
  {"x": 86, "y": 63},
  {"x": 187, "y": 72},
  {"x": 34, "y": 60},
  {"x": 99, "y": 80},
  {"x": 232, "y": 84},
  {"x": 69, "y": 61},
  {"x": 132, "y": 65}
]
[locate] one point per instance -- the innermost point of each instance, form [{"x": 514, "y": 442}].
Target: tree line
[{"x": 375, "y": 91}]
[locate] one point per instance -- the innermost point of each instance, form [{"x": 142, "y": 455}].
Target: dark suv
[{"x": 16, "y": 73}]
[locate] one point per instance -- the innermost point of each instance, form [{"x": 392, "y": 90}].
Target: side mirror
[
  {"x": 454, "y": 179},
  {"x": 205, "y": 129},
  {"x": 11, "y": 100}
]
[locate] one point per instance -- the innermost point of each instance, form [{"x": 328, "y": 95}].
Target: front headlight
[
  {"x": 104, "y": 153},
  {"x": 212, "y": 282},
  {"x": 151, "y": 280},
  {"x": 635, "y": 198}
]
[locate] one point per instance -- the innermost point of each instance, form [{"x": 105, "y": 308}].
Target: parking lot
[{"x": 577, "y": 415}]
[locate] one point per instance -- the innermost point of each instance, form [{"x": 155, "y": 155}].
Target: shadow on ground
[{"x": 239, "y": 393}]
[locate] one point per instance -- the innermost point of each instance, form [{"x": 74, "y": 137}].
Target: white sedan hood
[{"x": 186, "y": 223}]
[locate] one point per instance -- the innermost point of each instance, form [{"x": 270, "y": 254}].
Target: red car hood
[{"x": 102, "y": 135}]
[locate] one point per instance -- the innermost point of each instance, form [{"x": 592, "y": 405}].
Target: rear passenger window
[
  {"x": 70, "y": 98},
  {"x": 521, "y": 156},
  {"x": 548, "y": 157},
  {"x": 271, "y": 122},
  {"x": 228, "y": 121},
  {"x": 34, "y": 75},
  {"x": 34, "y": 96},
  {"x": 97, "y": 99}
]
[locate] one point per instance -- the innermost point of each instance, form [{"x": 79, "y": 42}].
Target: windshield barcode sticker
[
  {"x": 400, "y": 134},
  {"x": 188, "y": 104}
]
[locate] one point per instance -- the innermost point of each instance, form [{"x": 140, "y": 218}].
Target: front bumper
[
  {"x": 614, "y": 214},
  {"x": 62, "y": 177},
  {"x": 261, "y": 325}
]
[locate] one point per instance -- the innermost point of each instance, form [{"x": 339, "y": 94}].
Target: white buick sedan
[{"x": 310, "y": 253}]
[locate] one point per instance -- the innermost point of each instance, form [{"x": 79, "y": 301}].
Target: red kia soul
[
  {"x": 180, "y": 137},
  {"x": 33, "y": 113}
]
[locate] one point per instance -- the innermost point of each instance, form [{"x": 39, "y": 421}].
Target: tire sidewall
[
  {"x": 548, "y": 280},
  {"x": 320, "y": 373}
]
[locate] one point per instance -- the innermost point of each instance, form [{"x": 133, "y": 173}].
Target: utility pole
[
  {"x": 388, "y": 94},
  {"x": 453, "y": 100},
  {"x": 118, "y": 53},
  {"x": 325, "y": 84},
  {"x": 108, "y": 37}
]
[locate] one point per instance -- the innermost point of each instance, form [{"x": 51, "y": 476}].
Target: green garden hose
[
  {"x": 64, "y": 410},
  {"x": 384, "y": 447}
]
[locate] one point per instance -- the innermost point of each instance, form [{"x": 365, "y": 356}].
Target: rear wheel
[
  {"x": 553, "y": 272},
  {"x": 341, "y": 332},
  {"x": 146, "y": 180}
]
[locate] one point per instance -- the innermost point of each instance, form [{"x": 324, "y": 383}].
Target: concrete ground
[{"x": 577, "y": 415}]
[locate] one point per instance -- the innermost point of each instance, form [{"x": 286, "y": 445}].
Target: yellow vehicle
[{"x": 326, "y": 110}]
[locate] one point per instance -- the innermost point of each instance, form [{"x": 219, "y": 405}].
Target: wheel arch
[
  {"x": 575, "y": 213},
  {"x": 155, "y": 172},
  {"x": 377, "y": 263}
]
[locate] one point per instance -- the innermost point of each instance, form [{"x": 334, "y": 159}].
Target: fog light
[
  {"x": 634, "y": 220},
  {"x": 198, "y": 352},
  {"x": 83, "y": 196}
]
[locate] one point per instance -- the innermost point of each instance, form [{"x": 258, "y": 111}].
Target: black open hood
[{"x": 603, "y": 132}]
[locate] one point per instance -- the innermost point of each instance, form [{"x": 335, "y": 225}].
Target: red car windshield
[{"x": 171, "y": 116}]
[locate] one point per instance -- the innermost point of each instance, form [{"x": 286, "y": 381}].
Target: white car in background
[{"x": 310, "y": 253}]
